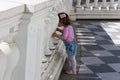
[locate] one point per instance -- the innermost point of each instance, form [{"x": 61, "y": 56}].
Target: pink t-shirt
[{"x": 68, "y": 33}]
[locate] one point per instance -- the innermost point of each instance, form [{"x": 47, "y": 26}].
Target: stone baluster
[
  {"x": 111, "y": 6},
  {"x": 96, "y": 7},
  {"x": 79, "y": 7},
  {"x": 88, "y": 7},
  {"x": 104, "y": 6},
  {"x": 78, "y": 3},
  {"x": 96, "y": 3},
  {"x": 104, "y": 3},
  {"x": 118, "y": 6},
  {"x": 3, "y": 64},
  {"x": 111, "y": 2},
  {"x": 87, "y": 3},
  {"x": 12, "y": 59}
]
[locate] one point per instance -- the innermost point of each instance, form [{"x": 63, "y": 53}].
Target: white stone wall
[{"x": 27, "y": 51}]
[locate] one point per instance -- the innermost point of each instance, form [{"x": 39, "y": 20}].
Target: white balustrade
[
  {"x": 95, "y": 9},
  {"x": 25, "y": 38}
]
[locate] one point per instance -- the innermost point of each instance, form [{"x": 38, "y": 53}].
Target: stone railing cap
[
  {"x": 34, "y": 5},
  {"x": 9, "y": 9}
]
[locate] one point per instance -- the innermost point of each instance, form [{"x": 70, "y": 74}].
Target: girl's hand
[
  {"x": 58, "y": 36},
  {"x": 54, "y": 34},
  {"x": 59, "y": 30}
]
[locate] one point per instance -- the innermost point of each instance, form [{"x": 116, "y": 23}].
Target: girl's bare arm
[
  {"x": 59, "y": 30},
  {"x": 58, "y": 36}
]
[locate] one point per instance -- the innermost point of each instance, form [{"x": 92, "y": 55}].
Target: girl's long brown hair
[{"x": 65, "y": 20}]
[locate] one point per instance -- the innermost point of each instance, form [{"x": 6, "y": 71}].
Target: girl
[{"x": 69, "y": 41}]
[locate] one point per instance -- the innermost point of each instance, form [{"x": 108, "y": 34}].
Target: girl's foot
[
  {"x": 73, "y": 72},
  {"x": 68, "y": 69}
]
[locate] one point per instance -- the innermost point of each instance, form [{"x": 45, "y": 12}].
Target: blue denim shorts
[{"x": 71, "y": 47}]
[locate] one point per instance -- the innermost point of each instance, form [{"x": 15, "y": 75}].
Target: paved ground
[{"x": 98, "y": 55}]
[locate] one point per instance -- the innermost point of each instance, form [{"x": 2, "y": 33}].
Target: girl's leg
[
  {"x": 69, "y": 64},
  {"x": 72, "y": 60}
]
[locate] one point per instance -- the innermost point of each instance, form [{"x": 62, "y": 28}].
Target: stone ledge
[
  {"x": 98, "y": 16},
  {"x": 34, "y": 5},
  {"x": 93, "y": 15},
  {"x": 10, "y": 9}
]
